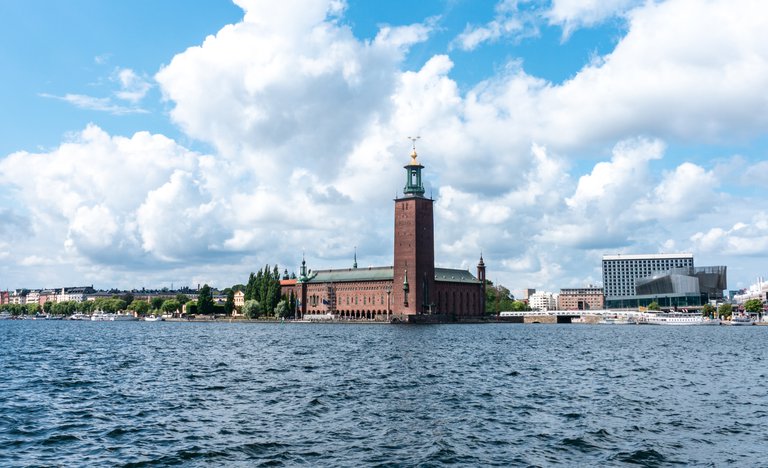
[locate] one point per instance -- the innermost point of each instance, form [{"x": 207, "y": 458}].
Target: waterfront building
[
  {"x": 411, "y": 290},
  {"x": 542, "y": 301},
  {"x": 588, "y": 298},
  {"x": 4, "y": 297},
  {"x": 239, "y": 299},
  {"x": 759, "y": 291},
  {"x": 76, "y": 294},
  {"x": 670, "y": 280}
]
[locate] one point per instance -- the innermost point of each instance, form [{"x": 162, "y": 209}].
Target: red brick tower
[{"x": 413, "y": 287}]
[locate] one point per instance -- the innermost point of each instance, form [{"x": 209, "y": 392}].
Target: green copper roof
[
  {"x": 455, "y": 276},
  {"x": 385, "y": 274},
  {"x": 352, "y": 274}
]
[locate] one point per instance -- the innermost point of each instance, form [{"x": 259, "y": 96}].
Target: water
[{"x": 156, "y": 394}]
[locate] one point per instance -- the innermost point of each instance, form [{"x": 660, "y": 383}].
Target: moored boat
[
  {"x": 674, "y": 318},
  {"x": 740, "y": 320}
]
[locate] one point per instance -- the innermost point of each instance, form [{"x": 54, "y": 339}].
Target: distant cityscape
[{"x": 630, "y": 282}]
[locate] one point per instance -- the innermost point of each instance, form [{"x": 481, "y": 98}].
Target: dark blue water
[{"x": 144, "y": 394}]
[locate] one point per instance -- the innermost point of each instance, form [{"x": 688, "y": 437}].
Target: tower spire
[
  {"x": 354, "y": 265},
  {"x": 413, "y": 184}
]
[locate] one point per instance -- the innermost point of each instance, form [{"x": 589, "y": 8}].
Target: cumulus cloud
[
  {"x": 308, "y": 123},
  {"x": 88, "y": 190},
  {"x": 742, "y": 239}
]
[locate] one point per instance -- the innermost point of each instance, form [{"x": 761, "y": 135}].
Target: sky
[{"x": 163, "y": 144}]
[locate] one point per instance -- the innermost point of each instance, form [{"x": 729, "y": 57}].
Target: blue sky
[{"x": 147, "y": 143}]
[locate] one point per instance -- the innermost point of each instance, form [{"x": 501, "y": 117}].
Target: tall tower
[
  {"x": 413, "y": 290},
  {"x": 481, "y": 277}
]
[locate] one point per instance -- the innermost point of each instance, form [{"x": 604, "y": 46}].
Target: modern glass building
[
  {"x": 621, "y": 271},
  {"x": 670, "y": 280}
]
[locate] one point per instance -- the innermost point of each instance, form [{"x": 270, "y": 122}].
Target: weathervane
[
  {"x": 413, "y": 141},
  {"x": 413, "y": 153}
]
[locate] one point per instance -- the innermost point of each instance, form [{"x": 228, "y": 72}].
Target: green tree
[
  {"x": 708, "y": 310},
  {"x": 229, "y": 305},
  {"x": 32, "y": 308},
  {"x": 157, "y": 302},
  {"x": 170, "y": 306},
  {"x": 725, "y": 311},
  {"x": 282, "y": 309},
  {"x": 191, "y": 307},
  {"x": 127, "y": 297},
  {"x": 251, "y": 309},
  {"x": 182, "y": 298},
  {"x": 264, "y": 287},
  {"x": 205, "y": 300},
  {"x": 654, "y": 306},
  {"x": 753, "y": 306},
  {"x": 139, "y": 306},
  {"x": 520, "y": 306},
  {"x": 47, "y": 307}
]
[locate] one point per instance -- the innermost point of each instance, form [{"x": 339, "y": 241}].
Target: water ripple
[{"x": 147, "y": 394}]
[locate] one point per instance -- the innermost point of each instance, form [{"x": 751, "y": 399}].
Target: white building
[
  {"x": 542, "y": 301},
  {"x": 759, "y": 290},
  {"x": 74, "y": 294}
]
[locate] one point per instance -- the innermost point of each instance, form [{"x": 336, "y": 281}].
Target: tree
[
  {"x": 264, "y": 287},
  {"x": 33, "y": 308},
  {"x": 205, "y": 300},
  {"x": 47, "y": 307},
  {"x": 282, "y": 309},
  {"x": 654, "y": 306},
  {"x": 127, "y": 297},
  {"x": 498, "y": 298},
  {"x": 520, "y": 306},
  {"x": 708, "y": 310},
  {"x": 140, "y": 307},
  {"x": 170, "y": 306},
  {"x": 157, "y": 302},
  {"x": 753, "y": 306},
  {"x": 191, "y": 307},
  {"x": 229, "y": 305},
  {"x": 182, "y": 298},
  {"x": 251, "y": 309},
  {"x": 725, "y": 310}
]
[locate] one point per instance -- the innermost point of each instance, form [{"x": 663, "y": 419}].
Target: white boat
[
  {"x": 674, "y": 318},
  {"x": 123, "y": 318},
  {"x": 153, "y": 318},
  {"x": 79, "y": 316},
  {"x": 5, "y": 316},
  {"x": 616, "y": 321},
  {"x": 739, "y": 320}
]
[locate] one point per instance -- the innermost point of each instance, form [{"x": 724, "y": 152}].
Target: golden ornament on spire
[{"x": 414, "y": 162}]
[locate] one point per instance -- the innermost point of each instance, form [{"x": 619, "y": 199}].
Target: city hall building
[{"x": 411, "y": 290}]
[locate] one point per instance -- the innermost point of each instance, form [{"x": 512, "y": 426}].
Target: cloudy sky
[{"x": 151, "y": 144}]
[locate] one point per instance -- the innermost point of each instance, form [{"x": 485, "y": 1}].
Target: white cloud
[
  {"x": 574, "y": 14},
  {"x": 94, "y": 103},
  {"x": 85, "y": 193},
  {"x": 509, "y": 21},
  {"x": 742, "y": 239},
  {"x": 133, "y": 87},
  {"x": 308, "y": 127}
]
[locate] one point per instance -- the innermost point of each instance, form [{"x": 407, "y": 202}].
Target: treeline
[
  {"x": 263, "y": 297},
  {"x": 108, "y": 305},
  {"x": 500, "y": 299}
]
